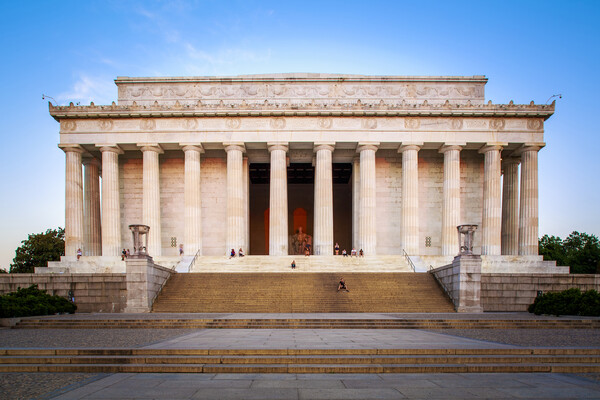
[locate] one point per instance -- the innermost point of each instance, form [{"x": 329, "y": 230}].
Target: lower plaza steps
[
  {"x": 301, "y": 292},
  {"x": 98, "y": 322},
  {"x": 562, "y": 360}
]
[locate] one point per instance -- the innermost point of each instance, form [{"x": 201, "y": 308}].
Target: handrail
[
  {"x": 194, "y": 260},
  {"x": 410, "y": 263},
  {"x": 441, "y": 283}
]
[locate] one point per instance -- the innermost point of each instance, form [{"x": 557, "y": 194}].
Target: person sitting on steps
[
  {"x": 293, "y": 264},
  {"x": 232, "y": 253},
  {"x": 342, "y": 285}
]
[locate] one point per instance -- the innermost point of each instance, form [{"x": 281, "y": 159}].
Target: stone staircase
[
  {"x": 393, "y": 263},
  {"x": 301, "y": 292},
  {"x": 562, "y": 360}
]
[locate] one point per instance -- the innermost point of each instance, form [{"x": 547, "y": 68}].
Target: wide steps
[
  {"x": 217, "y": 323},
  {"x": 300, "y": 292},
  {"x": 301, "y": 360}
]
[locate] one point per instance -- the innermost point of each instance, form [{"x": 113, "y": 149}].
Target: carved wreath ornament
[
  {"x": 233, "y": 123},
  {"x": 497, "y": 124},
  {"x": 147, "y": 125},
  {"x": 69, "y": 126},
  {"x": 277, "y": 123}
]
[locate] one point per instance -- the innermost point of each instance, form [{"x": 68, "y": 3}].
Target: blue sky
[{"x": 72, "y": 51}]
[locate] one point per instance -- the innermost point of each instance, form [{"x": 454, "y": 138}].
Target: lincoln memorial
[{"x": 387, "y": 164}]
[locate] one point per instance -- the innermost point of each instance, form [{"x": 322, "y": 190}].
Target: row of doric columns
[{"x": 508, "y": 226}]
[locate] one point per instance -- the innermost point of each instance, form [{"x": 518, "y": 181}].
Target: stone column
[
  {"x": 355, "y": 200},
  {"x": 491, "y": 222},
  {"x": 451, "y": 199},
  {"x": 510, "y": 206},
  {"x": 528, "y": 213},
  {"x": 151, "y": 197},
  {"x": 111, "y": 209},
  {"x": 367, "y": 231},
  {"x": 278, "y": 202},
  {"x": 192, "y": 199},
  {"x": 246, "y": 185},
  {"x": 236, "y": 210},
  {"x": 410, "y": 198},
  {"x": 73, "y": 199},
  {"x": 91, "y": 208},
  {"x": 323, "y": 213}
]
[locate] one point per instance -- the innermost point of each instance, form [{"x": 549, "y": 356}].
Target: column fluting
[
  {"x": 368, "y": 199},
  {"x": 236, "y": 210},
  {"x": 491, "y": 223},
  {"x": 151, "y": 197},
  {"x": 323, "y": 212},
  {"x": 451, "y": 199},
  {"x": 355, "y": 201},
  {"x": 74, "y": 234},
  {"x": 278, "y": 201},
  {"x": 528, "y": 213},
  {"x": 111, "y": 210},
  {"x": 192, "y": 200},
  {"x": 510, "y": 206},
  {"x": 91, "y": 208},
  {"x": 410, "y": 198}
]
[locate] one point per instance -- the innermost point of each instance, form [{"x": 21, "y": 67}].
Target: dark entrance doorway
[{"x": 301, "y": 178}]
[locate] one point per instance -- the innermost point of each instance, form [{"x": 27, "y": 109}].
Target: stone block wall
[
  {"x": 144, "y": 280},
  {"x": 515, "y": 292},
  {"x": 172, "y": 202},
  {"x": 213, "y": 175},
  {"x": 388, "y": 172},
  {"x": 431, "y": 187},
  {"x": 471, "y": 192},
  {"x": 93, "y": 292},
  {"x": 130, "y": 191}
]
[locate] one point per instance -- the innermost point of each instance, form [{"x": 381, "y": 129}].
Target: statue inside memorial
[{"x": 301, "y": 243}]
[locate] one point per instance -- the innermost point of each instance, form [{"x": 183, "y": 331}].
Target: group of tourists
[
  {"x": 240, "y": 253},
  {"x": 353, "y": 252}
]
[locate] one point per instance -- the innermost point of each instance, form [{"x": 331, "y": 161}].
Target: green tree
[
  {"x": 580, "y": 251},
  {"x": 37, "y": 250}
]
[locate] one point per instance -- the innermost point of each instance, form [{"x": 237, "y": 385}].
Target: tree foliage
[
  {"x": 37, "y": 250},
  {"x": 580, "y": 251},
  {"x": 32, "y": 301},
  {"x": 568, "y": 302}
]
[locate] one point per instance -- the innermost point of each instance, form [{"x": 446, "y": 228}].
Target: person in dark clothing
[{"x": 342, "y": 285}]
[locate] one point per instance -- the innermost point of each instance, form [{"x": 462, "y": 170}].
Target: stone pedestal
[{"x": 466, "y": 271}]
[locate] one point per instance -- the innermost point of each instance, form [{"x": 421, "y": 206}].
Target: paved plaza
[{"x": 299, "y": 386}]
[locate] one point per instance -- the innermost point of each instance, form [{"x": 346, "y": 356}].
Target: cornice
[{"x": 356, "y": 109}]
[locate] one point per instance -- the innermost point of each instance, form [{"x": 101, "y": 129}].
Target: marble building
[{"x": 387, "y": 164}]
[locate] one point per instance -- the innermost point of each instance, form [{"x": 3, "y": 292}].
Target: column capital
[
  {"x": 323, "y": 146},
  {"x": 451, "y": 146},
  {"x": 110, "y": 148},
  {"x": 492, "y": 146},
  {"x": 535, "y": 146},
  {"x": 367, "y": 146},
  {"x": 277, "y": 146},
  {"x": 511, "y": 161},
  {"x": 76, "y": 148},
  {"x": 155, "y": 147},
  {"x": 192, "y": 147},
  {"x": 91, "y": 161},
  {"x": 410, "y": 146},
  {"x": 229, "y": 146}
]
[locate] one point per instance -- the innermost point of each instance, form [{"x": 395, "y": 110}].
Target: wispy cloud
[
  {"x": 224, "y": 57},
  {"x": 100, "y": 90}
]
